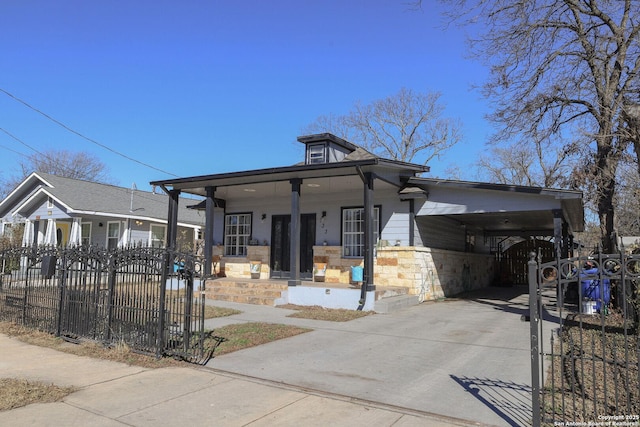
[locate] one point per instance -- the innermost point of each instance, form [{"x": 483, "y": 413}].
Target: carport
[{"x": 496, "y": 212}]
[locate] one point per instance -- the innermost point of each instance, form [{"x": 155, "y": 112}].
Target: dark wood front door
[{"x": 280, "y": 245}]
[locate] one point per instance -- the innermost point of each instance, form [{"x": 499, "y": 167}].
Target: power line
[
  {"x": 67, "y": 170},
  {"x": 59, "y": 123}
]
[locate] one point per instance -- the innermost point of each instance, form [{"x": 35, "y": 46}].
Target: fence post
[
  {"x": 111, "y": 286},
  {"x": 534, "y": 318},
  {"x": 160, "y": 341},
  {"x": 62, "y": 284}
]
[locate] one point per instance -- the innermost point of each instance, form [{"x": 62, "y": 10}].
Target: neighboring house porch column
[
  {"x": 294, "y": 252},
  {"x": 208, "y": 229},
  {"x": 172, "y": 218}
]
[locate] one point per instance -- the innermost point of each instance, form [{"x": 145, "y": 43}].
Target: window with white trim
[
  {"x": 158, "y": 236},
  {"x": 85, "y": 233},
  {"x": 316, "y": 154},
  {"x": 113, "y": 234},
  {"x": 237, "y": 231},
  {"x": 353, "y": 230}
]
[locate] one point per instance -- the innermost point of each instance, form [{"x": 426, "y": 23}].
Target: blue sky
[{"x": 201, "y": 87}]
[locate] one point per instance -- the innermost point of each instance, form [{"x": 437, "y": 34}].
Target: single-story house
[
  {"x": 64, "y": 211},
  {"x": 345, "y": 207}
]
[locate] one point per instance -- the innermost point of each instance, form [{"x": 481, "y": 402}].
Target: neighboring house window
[
  {"x": 316, "y": 153},
  {"x": 158, "y": 235},
  {"x": 237, "y": 231},
  {"x": 353, "y": 230},
  {"x": 85, "y": 233},
  {"x": 113, "y": 234},
  {"x": 49, "y": 203}
]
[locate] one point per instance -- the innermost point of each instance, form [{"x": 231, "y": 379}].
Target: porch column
[
  {"x": 368, "y": 232},
  {"x": 294, "y": 253},
  {"x": 565, "y": 239},
  {"x": 172, "y": 218},
  {"x": 208, "y": 229},
  {"x": 412, "y": 222},
  {"x": 558, "y": 241}
]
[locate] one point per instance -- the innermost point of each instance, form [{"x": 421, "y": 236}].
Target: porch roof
[{"x": 392, "y": 170}]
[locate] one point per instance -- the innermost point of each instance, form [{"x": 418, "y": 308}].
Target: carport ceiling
[{"x": 539, "y": 223}]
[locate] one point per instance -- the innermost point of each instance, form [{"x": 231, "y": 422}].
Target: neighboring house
[
  {"x": 344, "y": 207},
  {"x": 64, "y": 211}
]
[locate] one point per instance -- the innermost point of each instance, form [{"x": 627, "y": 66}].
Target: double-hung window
[
  {"x": 113, "y": 234},
  {"x": 237, "y": 232},
  {"x": 353, "y": 230},
  {"x": 85, "y": 233},
  {"x": 158, "y": 235}
]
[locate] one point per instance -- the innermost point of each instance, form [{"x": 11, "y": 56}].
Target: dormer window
[{"x": 316, "y": 154}]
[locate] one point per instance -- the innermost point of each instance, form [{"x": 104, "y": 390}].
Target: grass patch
[
  {"x": 244, "y": 335},
  {"x": 15, "y": 393},
  {"x": 211, "y": 311},
  {"x": 320, "y": 313},
  {"x": 118, "y": 353}
]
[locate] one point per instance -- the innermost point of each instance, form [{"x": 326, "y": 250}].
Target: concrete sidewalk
[
  {"x": 115, "y": 394},
  {"x": 461, "y": 362}
]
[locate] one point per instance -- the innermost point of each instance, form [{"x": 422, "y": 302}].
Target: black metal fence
[
  {"x": 584, "y": 340},
  {"x": 151, "y": 299}
]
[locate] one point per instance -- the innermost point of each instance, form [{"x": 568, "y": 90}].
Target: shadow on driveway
[{"x": 510, "y": 401}]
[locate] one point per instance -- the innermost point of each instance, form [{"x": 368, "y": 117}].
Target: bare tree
[
  {"x": 407, "y": 126},
  {"x": 538, "y": 165},
  {"x": 562, "y": 70},
  {"x": 77, "y": 165}
]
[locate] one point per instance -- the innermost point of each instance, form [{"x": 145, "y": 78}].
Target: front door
[{"x": 280, "y": 245}]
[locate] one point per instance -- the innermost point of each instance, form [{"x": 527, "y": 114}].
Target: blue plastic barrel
[
  {"x": 357, "y": 274},
  {"x": 596, "y": 290}
]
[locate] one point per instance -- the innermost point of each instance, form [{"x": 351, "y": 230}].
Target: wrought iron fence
[
  {"x": 584, "y": 340},
  {"x": 151, "y": 299}
]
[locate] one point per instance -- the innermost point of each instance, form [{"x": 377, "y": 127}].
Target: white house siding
[
  {"x": 394, "y": 218},
  {"x": 442, "y": 233},
  {"x": 45, "y": 212},
  {"x": 443, "y": 201}
]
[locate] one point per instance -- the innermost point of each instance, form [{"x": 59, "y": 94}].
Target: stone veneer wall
[
  {"x": 440, "y": 273},
  {"x": 338, "y": 268},
  {"x": 436, "y": 272},
  {"x": 239, "y": 266}
]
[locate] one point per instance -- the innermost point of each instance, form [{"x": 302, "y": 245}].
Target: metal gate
[
  {"x": 151, "y": 299},
  {"x": 584, "y": 340}
]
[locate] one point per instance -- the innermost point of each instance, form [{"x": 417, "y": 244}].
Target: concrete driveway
[{"x": 465, "y": 357}]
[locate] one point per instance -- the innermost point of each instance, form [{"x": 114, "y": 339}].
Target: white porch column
[
  {"x": 27, "y": 236},
  {"x": 75, "y": 236}
]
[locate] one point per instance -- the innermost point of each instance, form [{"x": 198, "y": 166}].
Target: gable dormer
[{"x": 325, "y": 148}]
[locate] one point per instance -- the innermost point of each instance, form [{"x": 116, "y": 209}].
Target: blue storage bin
[{"x": 357, "y": 274}]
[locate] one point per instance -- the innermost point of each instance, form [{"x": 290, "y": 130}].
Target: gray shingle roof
[{"x": 89, "y": 196}]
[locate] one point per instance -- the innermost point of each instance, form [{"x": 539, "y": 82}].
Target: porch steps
[
  {"x": 267, "y": 291},
  {"x": 259, "y": 292}
]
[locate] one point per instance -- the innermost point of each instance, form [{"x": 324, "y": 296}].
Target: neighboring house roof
[{"x": 91, "y": 198}]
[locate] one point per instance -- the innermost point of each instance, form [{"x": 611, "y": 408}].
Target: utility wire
[
  {"x": 68, "y": 170},
  {"x": 59, "y": 123}
]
